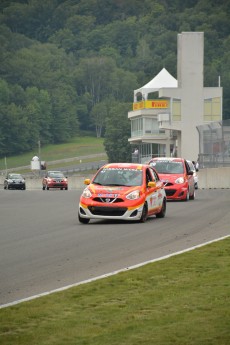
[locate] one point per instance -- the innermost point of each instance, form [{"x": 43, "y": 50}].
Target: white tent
[{"x": 162, "y": 79}]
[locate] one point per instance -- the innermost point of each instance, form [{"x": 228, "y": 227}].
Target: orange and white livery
[{"x": 123, "y": 191}]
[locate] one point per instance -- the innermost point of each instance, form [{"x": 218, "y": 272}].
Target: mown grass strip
[
  {"x": 79, "y": 146},
  {"x": 183, "y": 300}
]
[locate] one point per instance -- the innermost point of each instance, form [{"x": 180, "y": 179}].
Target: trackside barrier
[
  {"x": 214, "y": 178},
  {"x": 75, "y": 182},
  {"x": 208, "y": 178}
]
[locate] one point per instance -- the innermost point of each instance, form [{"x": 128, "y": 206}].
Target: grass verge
[
  {"x": 183, "y": 300},
  {"x": 79, "y": 146}
]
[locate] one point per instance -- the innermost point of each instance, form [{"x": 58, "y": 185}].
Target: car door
[
  {"x": 151, "y": 192},
  {"x": 190, "y": 178}
]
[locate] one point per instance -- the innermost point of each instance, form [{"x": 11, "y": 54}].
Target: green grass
[
  {"x": 183, "y": 300},
  {"x": 79, "y": 146}
]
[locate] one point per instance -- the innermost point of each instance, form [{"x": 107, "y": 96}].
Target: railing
[{"x": 214, "y": 160}]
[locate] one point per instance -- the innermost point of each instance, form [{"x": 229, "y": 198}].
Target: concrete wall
[
  {"x": 208, "y": 178},
  {"x": 214, "y": 178}
]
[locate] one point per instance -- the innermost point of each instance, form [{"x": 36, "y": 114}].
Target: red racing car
[
  {"x": 54, "y": 179},
  {"x": 177, "y": 177}
]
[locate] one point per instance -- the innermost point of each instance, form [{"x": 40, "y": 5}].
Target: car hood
[
  {"x": 16, "y": 179},
  {"x": 109, "y": 190},
  {"x": 169, "y": 177}
]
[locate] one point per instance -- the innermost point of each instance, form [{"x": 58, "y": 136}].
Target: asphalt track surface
[{"x": 43, "y": 246}]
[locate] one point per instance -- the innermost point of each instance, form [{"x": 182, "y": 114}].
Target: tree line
[{"x": 72, "y": 65}]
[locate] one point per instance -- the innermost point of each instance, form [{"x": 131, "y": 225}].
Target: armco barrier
[
  {"x": 75, "y": 182},
  {"x": 208, "y": 178}
]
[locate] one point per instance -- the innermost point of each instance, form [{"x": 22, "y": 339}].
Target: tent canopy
[{"x": 162, "y": 79}]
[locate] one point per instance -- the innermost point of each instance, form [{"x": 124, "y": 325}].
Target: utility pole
[
  {"x": 39, "y": 155},
  {"x": 6, "y": 165}
]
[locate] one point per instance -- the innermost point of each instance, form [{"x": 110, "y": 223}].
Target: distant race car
[
  {"x": 177, "y": 177},
  {"x": 54, "y": 179},
  {"x": 123, "y": 191},
  {"x": 14, "y": 181},
  {"x": 195, "y": 175}
]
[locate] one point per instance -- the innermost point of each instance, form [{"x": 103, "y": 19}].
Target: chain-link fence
[{"x": 214, "y": 144}]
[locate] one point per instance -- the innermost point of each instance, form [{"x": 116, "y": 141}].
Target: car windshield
[
  {"x": 15, "y": 176},
  {"x": 168, "y": 167},
  {"x": 55, "y": 174},
  {"x": 119, "y": 177}
]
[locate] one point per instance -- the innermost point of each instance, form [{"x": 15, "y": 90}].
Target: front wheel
[
  {"x": 144, "y": 215},
  {"x": 187, "y": 195},
  {"x": 192, "y": 197},
  {"x": 162, "y": 213},
  {"x": 83, "y": 220}
]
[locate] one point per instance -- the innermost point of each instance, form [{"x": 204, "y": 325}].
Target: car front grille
[
  {"x": 170, "y": 192},
  {"x": 107, "y": 211},
  {"x": 108, "y": 200}
]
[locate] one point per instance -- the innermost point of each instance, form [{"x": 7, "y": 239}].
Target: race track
[{"x": 43, "y": 247}]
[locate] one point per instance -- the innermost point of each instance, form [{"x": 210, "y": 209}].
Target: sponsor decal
[
  {"x": 156, "y": 104},
  {"x": 108, "y": 195}
]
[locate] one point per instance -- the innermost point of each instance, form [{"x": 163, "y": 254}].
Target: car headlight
[
  {"x": 10, "y": 180},
  {"x": 86, "y": 193},
  {"x": 133, "y": 195},
  {"x": 180, "y": 180}
]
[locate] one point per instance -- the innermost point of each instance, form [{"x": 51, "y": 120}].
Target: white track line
[{"x": 111, "y": 273}]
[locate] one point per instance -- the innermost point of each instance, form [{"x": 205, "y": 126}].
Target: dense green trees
[{"x": 72, "y": 65}]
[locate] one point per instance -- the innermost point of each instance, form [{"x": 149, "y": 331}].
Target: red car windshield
[{"x": 168, "y": 167}]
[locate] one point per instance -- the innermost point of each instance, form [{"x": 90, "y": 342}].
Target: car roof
[
  {"x": 125, "y": 166},
  {"x": 14, "y": 174},
  {"x": 172, "y": 159}
]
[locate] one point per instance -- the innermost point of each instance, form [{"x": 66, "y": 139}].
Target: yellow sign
[{"x": 156, "y": 104}]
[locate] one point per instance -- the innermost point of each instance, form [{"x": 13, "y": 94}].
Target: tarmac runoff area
[{"x": 111, "y": 273}]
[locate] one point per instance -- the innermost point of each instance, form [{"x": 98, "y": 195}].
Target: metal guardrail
[{"x": 76, "y": 160}]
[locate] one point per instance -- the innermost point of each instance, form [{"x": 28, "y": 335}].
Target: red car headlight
[{"x": 180, "y": 180}]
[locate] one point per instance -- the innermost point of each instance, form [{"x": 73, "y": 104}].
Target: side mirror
[
  {"x": 87, "y": 181},
  {"x": 151, "y": 184},
  {"x": 190, "y": 172}
]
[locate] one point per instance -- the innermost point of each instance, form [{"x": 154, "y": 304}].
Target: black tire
[
  {"x": 192, "y": 197},
  {"x": 47, "y": 187},
  {"x": 4, "y": 187},
  {"x": 83, "y": 220},
  {"x": 187, "y": 196},
  {"x": 66, "y": 188},
  {"x": 144, "y": 215},
  {"x": 162, "y": 213}
]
